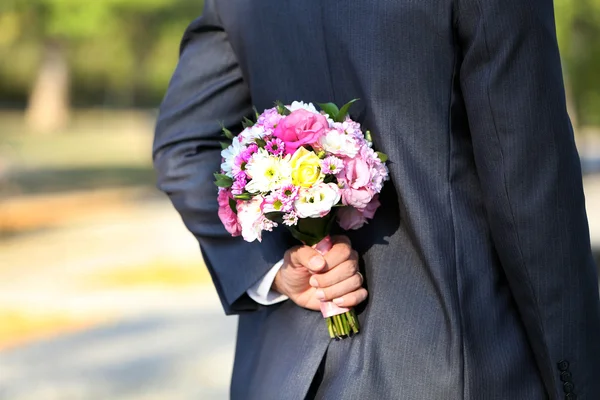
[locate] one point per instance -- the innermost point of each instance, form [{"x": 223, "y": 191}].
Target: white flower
[
  {"x": 267, "y": 172},
  {"x": 297, "y": 105},
  {"x": 229, "y": 154},
  {"x": 251, "y": 218},
  {"x": 339, "y": 144},
  {"x": 250, "y": 134},
  {"x": 317, "y": 201}
]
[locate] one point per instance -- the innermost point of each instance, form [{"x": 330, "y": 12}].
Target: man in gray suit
[{"x": 478, "y": 264}]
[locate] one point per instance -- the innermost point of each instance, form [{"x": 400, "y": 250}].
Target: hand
[{"x": 307, "y": 277}]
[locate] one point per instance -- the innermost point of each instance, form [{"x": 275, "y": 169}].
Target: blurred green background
[{"x": 102, "y": 292}]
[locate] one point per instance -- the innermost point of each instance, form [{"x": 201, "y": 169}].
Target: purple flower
[
  {"x": 275, "y": 146},
  {"x": 332, "y": 165}
]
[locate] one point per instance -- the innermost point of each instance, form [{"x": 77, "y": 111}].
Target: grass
[{"x": 98, "y": 150}]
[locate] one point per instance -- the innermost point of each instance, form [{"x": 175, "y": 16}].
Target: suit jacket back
[{"x": 478, "y": 264}]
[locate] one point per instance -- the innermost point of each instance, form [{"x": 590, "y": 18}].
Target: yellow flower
[{"x": 306, "y": 168}]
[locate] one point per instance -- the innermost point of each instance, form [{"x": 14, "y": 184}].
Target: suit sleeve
[
  {"x": 511, "y": 81},
  {"x": 208, "y": 89}
]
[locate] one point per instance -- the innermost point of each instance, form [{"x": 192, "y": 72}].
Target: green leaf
[
  {"x": 260, "y": 142},
  {"x": 225, "y": 145},
  {"x": 243, "y": 196},
  {"x": 382, "y": 156},
  {"x": 282, "y": 109},
  {"x": 344, "y": 111},
  {"x": 329, "y": 179},
  {"x": 223, "y": 181},
  {"x": 305, "y": 238},
  {"x": 247, "y": 123},
  {"x": 232, "y": 205},
  {"x": 368, "y": 136},
  {"x": 256, "y": 113},
  {"x": 227, "y": 132},
  {"x": 275, "y": 216},
  {"x": 330, "y": 109}
]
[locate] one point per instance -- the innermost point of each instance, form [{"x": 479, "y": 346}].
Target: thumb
[{"x": 309, "y": 258}]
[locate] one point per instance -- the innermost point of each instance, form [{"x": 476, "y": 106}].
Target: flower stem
[{"x": 343, "y": 325}]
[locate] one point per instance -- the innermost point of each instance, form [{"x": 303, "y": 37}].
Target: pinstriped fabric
[{"x": 478, "y": 263}]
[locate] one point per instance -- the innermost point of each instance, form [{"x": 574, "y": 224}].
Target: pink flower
[
  {"x": 275, "y": 146},
  {"x": 299, "y": 128},
  {"x": 288, "y": 194},
  {"x": 369, "y": 211},
  {"x": 275, "y": 203},
  {"x": 290, "y": 219},
  {"x": 269, "y": 119},
  {"x": 332, "y": 165},
  {"x": 226, "y": 214},
  {"x": 250, "y": 150},
  {"x": 351, "y": 218},
  {"x": 354, "y": 182}
]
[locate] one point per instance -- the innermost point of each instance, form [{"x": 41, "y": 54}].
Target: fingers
[
  {"x": 340, "y": 252},
  {"x": 341, "y": 289},
  {"x": 352, "y": 299},
  {"x": 305, "y": 256},
  {"x": 336, "y": 275}
]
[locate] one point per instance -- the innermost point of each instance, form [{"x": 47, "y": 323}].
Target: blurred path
[
  {"x": 160, "y": 356},
  {"x": 157, "y": 343}
]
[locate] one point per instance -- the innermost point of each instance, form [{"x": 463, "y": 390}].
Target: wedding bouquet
[{"x": 300, "y": 167}]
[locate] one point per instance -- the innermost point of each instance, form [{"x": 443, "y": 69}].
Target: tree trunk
[{"x": 48, "y": 108}]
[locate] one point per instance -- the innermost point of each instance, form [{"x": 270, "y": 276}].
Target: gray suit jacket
[{"x": 481, "y": 279}]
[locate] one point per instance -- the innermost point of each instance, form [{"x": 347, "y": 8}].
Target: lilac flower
[
  {"x": 275, "y": 146},
  {"x": 269, "y": 119},
  {"x": 332, "y": 165},
  {"x": 239, "y": 184}
]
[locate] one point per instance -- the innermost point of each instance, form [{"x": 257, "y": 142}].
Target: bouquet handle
[
  {"x": 341, "y": 322},
  {"x": 328, "y": 308}
]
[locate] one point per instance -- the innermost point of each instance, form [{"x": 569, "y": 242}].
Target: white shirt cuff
[{"x": 261, "y": 291}]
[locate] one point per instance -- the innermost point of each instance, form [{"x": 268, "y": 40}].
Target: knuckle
[{"x": 345, "y": 252}]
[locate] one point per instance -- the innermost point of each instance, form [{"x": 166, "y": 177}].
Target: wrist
[{"x": 277, "y": 285}]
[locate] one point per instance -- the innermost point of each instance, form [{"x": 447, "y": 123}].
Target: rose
[
  {"x": 354, "y": 181},
  {"x": 317, "y": 201},
  {"x": 306, "y": 168},
  {"x": 369, "y": 211},
  {"x": 299, "y": 128},
  {"x": 226, "y": 214},
  {"x": 338, "y": 143},
  {"x": 351, "y": 218}
]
